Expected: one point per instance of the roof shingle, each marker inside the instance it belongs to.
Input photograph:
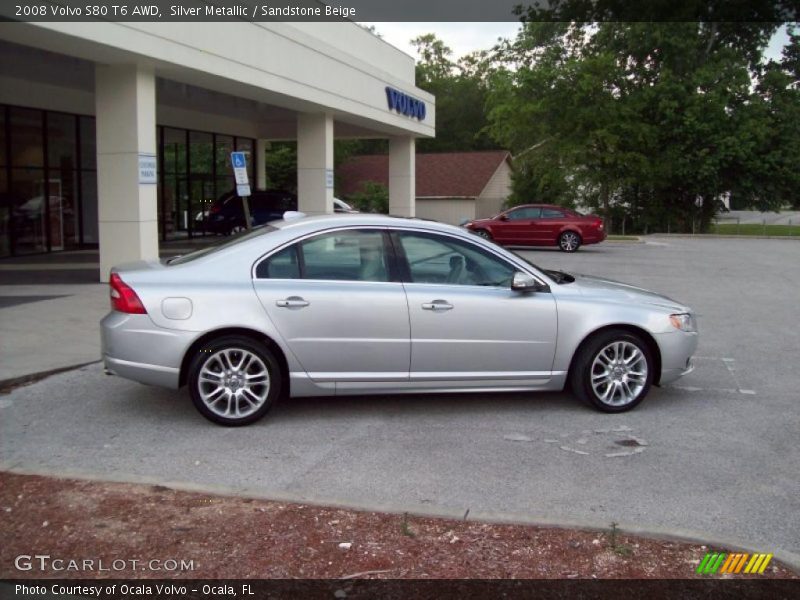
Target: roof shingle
(446, 174)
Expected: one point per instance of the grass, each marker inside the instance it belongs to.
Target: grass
(622, 238)
(755, 229)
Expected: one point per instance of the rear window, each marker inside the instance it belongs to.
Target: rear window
(221, 245)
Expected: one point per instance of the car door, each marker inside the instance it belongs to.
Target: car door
(518, 226)
(550, 225)
(335, 301)
(467, 324)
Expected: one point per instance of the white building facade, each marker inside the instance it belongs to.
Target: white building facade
(117, 133)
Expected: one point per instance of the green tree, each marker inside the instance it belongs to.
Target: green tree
(644, 119)
(373, 197)
(460, 90)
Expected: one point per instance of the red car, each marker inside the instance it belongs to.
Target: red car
(541, 225)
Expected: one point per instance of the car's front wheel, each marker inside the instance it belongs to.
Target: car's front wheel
(569, 241)
(483, 233)
(234, 380)
(613, 371)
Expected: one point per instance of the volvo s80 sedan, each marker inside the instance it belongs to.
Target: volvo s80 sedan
(366, 304)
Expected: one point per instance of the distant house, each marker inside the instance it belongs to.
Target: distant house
(452, 187)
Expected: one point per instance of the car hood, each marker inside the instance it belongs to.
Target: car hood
(623, 292)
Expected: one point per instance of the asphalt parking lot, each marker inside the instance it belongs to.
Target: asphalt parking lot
(715, 453)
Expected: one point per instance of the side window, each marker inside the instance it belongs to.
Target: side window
(355, 255)
(549, 213)
(524, 213)
(444, 260)
(282, 265)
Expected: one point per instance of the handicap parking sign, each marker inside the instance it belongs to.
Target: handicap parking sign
(238, 160)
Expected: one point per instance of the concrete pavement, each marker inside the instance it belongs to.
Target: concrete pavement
(50, 306)
(715, 453)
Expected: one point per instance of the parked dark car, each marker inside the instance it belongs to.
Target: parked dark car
(226, 215)
(541, 225)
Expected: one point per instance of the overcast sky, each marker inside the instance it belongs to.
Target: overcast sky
(463, 38)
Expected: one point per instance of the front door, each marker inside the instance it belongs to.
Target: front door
(466, 322)
(332, 298)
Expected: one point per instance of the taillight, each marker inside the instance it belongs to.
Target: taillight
(600, 223)
(215, 208)
(123, 298)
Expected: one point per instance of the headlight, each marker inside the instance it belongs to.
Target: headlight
(684, 322)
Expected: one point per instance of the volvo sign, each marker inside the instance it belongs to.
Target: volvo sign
(405, 104)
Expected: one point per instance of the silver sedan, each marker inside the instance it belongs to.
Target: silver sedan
(366, 304)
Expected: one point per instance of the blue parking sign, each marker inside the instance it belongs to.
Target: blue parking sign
(238, 160)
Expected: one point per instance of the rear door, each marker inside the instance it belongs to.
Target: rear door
(335, 300)
(550, 225)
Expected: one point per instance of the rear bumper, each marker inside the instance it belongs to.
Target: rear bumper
(677, 349)
(135, 348)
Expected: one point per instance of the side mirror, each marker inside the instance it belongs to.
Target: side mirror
(522, 282)
(503, 217)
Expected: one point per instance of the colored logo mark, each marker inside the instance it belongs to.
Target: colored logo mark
(721, 562)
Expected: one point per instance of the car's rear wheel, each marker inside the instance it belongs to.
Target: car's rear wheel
(613, 371)
(237, 229)
(569, 241)
(234, 380)
(483, 233)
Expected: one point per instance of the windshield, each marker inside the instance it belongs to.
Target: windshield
(224, 243)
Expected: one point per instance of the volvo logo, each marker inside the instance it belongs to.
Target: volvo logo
(405, 104)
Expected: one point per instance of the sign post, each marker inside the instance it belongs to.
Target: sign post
(239, 163)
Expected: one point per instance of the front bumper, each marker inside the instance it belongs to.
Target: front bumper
(677, 349)
(136, 348)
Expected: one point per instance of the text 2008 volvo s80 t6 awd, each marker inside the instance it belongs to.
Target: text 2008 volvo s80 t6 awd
(361, 304)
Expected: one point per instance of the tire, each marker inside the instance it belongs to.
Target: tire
(621, 389)
(569, 241)
(234, 402)
(483, 233)
(236, 229)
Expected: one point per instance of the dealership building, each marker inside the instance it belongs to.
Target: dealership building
(120, 134)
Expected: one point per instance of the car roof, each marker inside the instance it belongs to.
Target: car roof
(556, 206)
(314, 223)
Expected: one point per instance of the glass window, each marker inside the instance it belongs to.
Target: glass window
(88, 147)
(63, 229)
(223, 155)
(354, 255)
(444, 260)
(27, 210)
(89, 206)
(61, 147)
(3, 156)
(550, 213)
(174, 150)
(26, 137)
(5, 229)
(282, 265)
(201, 152)
(527, 212)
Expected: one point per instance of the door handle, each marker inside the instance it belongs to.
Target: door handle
(437, 305)
(292, 302)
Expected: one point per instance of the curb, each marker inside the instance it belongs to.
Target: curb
(722, 236)
(6, 385)
(790, 559)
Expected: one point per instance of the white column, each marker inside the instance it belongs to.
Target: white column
(315, 164)
(261, 162)
(402, 177)
(125, 103)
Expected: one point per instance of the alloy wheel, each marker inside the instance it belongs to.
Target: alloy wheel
(569, 241)
(619, 373)
(233, 383)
